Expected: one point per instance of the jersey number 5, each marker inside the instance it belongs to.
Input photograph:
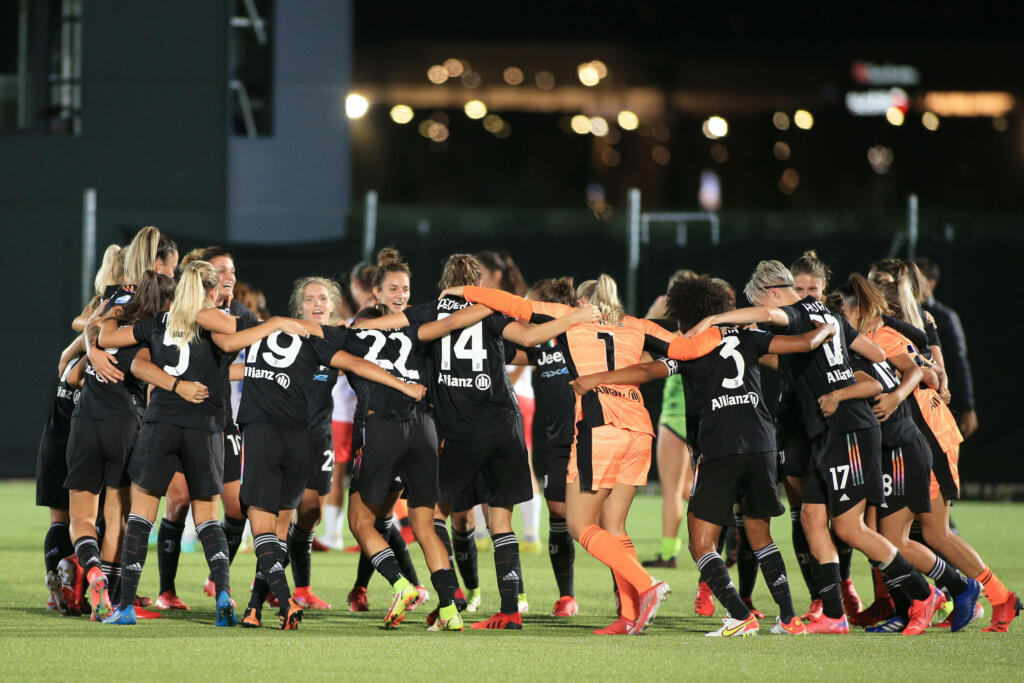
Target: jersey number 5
(179, 369)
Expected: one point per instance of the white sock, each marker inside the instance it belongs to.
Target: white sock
(481, 523)
(331, 513)
(531, 518)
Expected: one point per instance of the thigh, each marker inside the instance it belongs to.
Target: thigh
(84, 457)
(157, 457)
(117, 440)
(202, 460)
(759, 492)
(714, 489)
(906, 478)
(460, 465)
(635, 461)
(262, 474)
(850, 468)
(376, 463)
(507, 470)
(294, 466)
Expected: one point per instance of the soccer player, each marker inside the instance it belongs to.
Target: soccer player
(480, 423)
(612, 447)
(737, 447)
(105, 423)
(274, 415)
(906, 461)
(846, 465)
(180, 433)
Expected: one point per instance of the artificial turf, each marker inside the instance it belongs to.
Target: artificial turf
(37, 644)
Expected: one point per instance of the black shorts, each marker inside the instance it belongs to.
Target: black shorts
(692, 431)
(163, 449)
(276, 466)
(232, 453)
(98, 452)
(52, 470)
(557, 461)
(321, 464)
(501, 459)
(748, 478)
(794, 452)
(906, 478)
(846, 469)
(393, 452)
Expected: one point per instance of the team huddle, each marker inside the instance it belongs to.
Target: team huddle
(861, 437)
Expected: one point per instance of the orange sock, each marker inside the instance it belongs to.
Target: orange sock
(995, 591)
(628, 597)
(608, 550)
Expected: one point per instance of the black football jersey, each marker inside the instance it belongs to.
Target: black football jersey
(552, 391)
(64, 403)
(245, 320)
(278, 382)
(726, 386)
(100, 400)
(321, 401)
(899, 429)
(201, 361)
(398, 351)
(470, 390)
(823, 370)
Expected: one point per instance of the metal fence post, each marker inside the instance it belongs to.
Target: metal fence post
(88, 243)
(370, 225)
(912, 226)
(633, 257)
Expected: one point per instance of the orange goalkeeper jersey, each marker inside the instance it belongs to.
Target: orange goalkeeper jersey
(597, 347)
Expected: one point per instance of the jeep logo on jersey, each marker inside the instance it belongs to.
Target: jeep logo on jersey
(282, 379)
(548, 358)
(482, 382)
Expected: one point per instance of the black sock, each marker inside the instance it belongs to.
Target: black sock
(168, 550)
(845, 553)
(441, 529)
(270, 560)
(828, 581)
(562, 550)
(286, 558)
(746, 563)
(947, 576)
(112, 570)
(133, 556)
(88, 550)
(364, 571)
(466, 557)
(716, 576)
(233, 529)
(300, 549)
(506, 567)
(804, 558)
(445, 585)
(56, 545)
(774, 569)
(900, 603)
(260, 591)
(215, 547)
(900, 574)
(397, 543)
(385, 563)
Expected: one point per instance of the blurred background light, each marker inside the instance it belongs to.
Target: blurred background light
(628, 120)
(719, 152)
(356, 105)
(588, 75)
(930, 120)
(454, 67)
(781, 151)
(513, 75)
(401, 113)
(580, 124)
(544, 80)
(894, 116)
(437, 74)
(880, 158)
(780, 120)
(718, 126)
(600, 67)
(471, 79)
(598, 126)
(661, 155)
(803, 119)
(475, 109)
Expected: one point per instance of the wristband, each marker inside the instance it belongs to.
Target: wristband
(174, 387)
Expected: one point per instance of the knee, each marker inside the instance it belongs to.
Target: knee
(176, 509)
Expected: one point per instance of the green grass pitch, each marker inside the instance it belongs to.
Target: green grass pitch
(36, 644)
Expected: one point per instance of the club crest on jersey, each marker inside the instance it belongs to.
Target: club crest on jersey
(750, 398)
(482, 382)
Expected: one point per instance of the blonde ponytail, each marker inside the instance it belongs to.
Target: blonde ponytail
(191, 296)
(908, 300)
(109, 272)
(141, 254)
(603, 293)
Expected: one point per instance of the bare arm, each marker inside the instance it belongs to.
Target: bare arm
(76, 377)
(73, 350)
(887, 403)
(865, 387)
(867, 348)
(102, 362)
(229, 343)
(769, 360)
(528, 336)
(371, 371)
(216, 320)
(80, 321)
(801, 343)
(113, 337)
(236, 372)
(743, 316)
(144, 369)
(456, 321)
(634, 374)
(393, 321)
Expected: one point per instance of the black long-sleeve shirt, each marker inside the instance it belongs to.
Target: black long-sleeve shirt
(954, 352)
